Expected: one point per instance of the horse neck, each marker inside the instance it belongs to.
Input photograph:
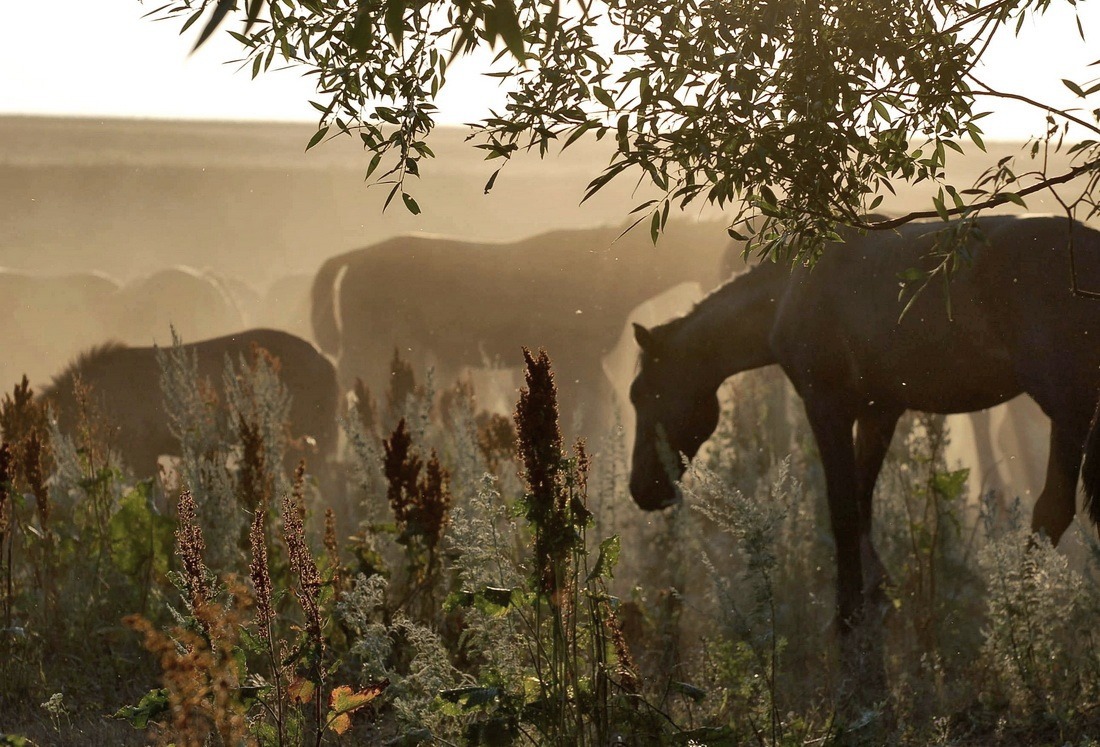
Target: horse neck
(728, 331)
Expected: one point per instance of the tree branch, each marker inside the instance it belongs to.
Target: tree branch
(988, 91)
(994, 201)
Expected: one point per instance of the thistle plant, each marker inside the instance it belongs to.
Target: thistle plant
(421, 505)
(403, 391)
(548, 508)
(575, 646)
(366, 408)
(23, 423)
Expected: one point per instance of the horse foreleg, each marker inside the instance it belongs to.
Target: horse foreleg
(832, 428)
(1057, 503)
(861, 651)
(873, 435)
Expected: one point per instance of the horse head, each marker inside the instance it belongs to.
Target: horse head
(675, 414)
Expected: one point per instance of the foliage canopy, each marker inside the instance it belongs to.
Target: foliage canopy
(801, 111)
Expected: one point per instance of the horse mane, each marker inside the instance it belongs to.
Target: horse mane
(85, 360)
(716, 296)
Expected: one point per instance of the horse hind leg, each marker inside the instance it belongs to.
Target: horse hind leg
(1057, 504)
(873, 436)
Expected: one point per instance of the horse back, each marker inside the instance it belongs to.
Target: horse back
(845, 326)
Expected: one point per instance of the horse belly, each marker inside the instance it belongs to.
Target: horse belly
(942, 379)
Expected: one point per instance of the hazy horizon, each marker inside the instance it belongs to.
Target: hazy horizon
(115, 63)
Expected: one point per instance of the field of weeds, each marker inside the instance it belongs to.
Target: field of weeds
(467, 578)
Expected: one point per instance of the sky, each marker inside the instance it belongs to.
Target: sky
(100, 58)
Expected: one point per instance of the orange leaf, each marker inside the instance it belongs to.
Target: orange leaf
(340, 724)
(301, 690)
(343, 701)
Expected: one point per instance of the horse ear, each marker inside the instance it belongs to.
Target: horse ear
(644, 337)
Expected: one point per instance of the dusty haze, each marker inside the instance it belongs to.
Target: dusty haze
(221, 226)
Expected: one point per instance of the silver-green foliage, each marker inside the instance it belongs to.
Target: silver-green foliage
(1042, 643)
(411, 656)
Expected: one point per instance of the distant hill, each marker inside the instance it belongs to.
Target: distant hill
(244, 199)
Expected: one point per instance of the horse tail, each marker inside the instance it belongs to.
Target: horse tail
(323, 304)
(1090, 473)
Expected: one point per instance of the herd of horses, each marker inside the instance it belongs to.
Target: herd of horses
(1006, 323)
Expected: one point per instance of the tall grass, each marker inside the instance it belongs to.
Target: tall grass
(465, 578)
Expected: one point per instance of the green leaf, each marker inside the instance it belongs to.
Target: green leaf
(601, 181)
(317, 137)
(362, 30)
(976, 136)
(603, 97)
(490, 600)
(1073, 87)
(768, 196)
(950, 485)
(395, 21)
(374, 162)
(607, 559)
(254, 7)
(507, 24)
(410, 204)
(151, 706)
(472, 697)
(941, 208)
(577, 134)
(14, 740)
(220, 11)
(492, 180)
(141, 539)
(551, 23)
(691, 691)
(386, 204)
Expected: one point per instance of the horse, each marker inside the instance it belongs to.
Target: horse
(1009, 324)
(461, 305)
(49, 318)
(125, 382)
(197, 304)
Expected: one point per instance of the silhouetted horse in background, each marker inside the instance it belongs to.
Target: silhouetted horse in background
(125, 382)
(457, 304)
(196, 303)
(837, 330)
(48, 319)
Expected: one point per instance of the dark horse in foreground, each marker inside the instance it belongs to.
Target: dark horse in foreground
(1013, 325)
(125, 382)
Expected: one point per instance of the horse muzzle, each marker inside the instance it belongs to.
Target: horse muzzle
(654, 494)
